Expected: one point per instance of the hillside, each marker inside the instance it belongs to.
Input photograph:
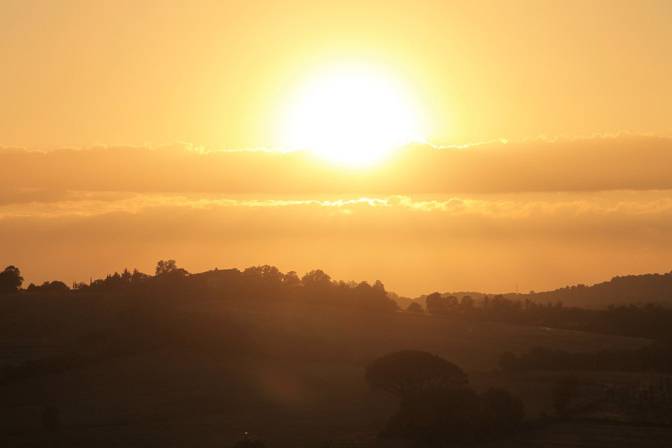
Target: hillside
(201, 373)
(620, 290)
(179, 359)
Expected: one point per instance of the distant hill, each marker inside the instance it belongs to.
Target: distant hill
(620, 290)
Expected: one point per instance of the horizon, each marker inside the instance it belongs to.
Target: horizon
(29, 283)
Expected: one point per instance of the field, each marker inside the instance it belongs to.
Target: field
(591, 434)
(295, 377)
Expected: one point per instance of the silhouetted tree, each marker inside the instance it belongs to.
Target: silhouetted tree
(371, 298)
(316, 279)
(467, 303)
(405, 372)
(438, 416)
(437, 407)
(291, 279)
(54, 287)
(137, 276)
(10, 279)
(439, 304)
(414, 307)
(266, 273)
(165, 266)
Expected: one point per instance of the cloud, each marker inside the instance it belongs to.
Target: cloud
(413, 244)
(537, 214)
(623, 162)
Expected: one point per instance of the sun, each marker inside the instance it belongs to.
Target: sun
(351, 115)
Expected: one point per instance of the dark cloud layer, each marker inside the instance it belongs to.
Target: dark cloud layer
(593, 164)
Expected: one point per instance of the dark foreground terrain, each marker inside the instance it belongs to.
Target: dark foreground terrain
(303, 385)
(193, 367)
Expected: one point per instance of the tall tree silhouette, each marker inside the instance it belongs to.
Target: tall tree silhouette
(165, 267)
(10, 279)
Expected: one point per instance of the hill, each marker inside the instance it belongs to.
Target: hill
(178, 359)
(200, 374)
(621, 290)
(195, 360)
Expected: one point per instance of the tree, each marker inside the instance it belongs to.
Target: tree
(266, 273)
(438, 416)
(437, 407)
(137, 276)
(467, 303)
(438, 304)
(316, 279)
(379, 286)
(169, 268)
(370, 298)
(452, 302)
(165, 266)
(291, 279)
(406, 372)
(55, 287)
(414, 307)
(10, 280)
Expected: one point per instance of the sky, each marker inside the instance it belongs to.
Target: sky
(216, 73)
(544, 159)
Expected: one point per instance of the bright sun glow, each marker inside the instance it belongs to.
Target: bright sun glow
(351, 116)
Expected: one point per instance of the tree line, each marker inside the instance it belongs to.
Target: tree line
(170, 282)
(268, 283)
(636, 320)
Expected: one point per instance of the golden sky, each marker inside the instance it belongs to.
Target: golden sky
(217, 73)
(545, 126)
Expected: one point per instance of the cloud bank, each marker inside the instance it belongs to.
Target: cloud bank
(495, 217)
(591, 164)
(413, 244)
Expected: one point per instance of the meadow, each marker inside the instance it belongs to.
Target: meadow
(201, 373)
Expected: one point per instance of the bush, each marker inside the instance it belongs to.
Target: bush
(437, 407)
(437, 415)
(407, 372)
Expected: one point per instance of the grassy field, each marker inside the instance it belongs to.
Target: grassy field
(590, 434)
(296, 381)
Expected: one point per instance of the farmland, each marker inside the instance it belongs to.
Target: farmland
(294, 376)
